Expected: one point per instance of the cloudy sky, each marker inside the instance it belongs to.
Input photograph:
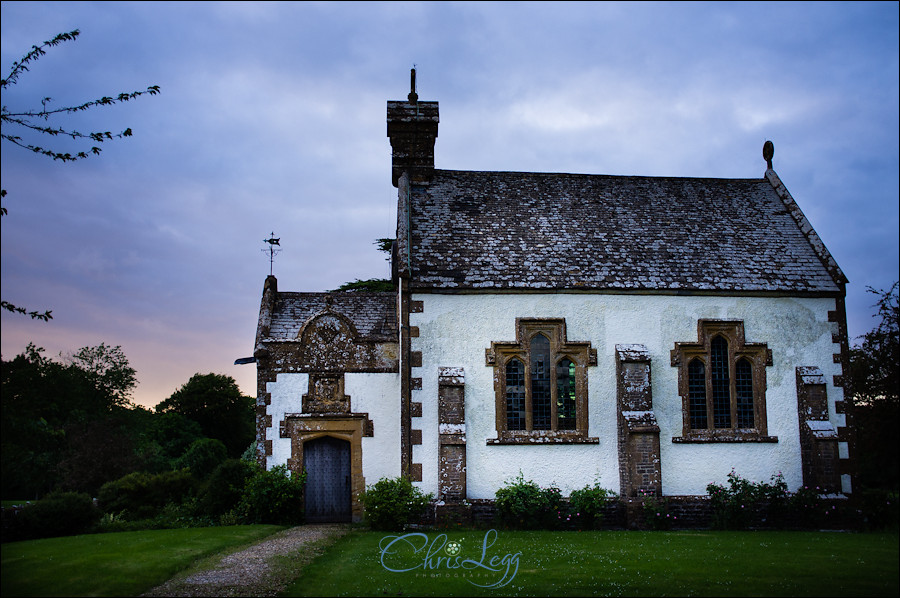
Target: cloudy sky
(272, 119)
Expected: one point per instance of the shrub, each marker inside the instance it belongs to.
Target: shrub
(804, 508)
(586, 505)
(523, 504)
(203, 456)
(59, 514)
(178, 516)
(224, 488)
(169, 516)
(249, 455)
(744, 503)
(656, 513)
(232, 517)
(274, 496)
(732, 506)
(391, 504)
(141, 495)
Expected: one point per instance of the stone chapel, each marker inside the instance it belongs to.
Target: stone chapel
(652, 333)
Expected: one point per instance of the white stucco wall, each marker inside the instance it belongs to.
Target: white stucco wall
(375, 394)
(287, 397)
(455, 330)
(379, 396)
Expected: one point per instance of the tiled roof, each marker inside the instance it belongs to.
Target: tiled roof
(511, 230)
(374, 315)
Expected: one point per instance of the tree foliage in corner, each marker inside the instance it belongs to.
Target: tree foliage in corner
(873, 384)
(36, 122)
(376, 285)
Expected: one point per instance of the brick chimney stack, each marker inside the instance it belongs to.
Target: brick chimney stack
(412, 127)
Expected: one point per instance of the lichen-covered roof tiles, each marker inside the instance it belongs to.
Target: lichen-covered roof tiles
(374, 315)
(510, 230)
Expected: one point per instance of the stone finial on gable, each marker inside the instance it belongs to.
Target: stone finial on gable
(768, 152)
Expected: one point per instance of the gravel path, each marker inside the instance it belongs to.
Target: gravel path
(251, 572)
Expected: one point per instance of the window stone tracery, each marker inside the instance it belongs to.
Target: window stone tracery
(540, 383)
(722, 383)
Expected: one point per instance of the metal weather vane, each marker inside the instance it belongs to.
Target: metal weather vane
(272, 243)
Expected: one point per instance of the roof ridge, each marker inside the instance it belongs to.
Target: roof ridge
(585, 174)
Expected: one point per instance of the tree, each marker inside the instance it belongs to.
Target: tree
(215, 402)
(875, 363)
(166, 437)
(384, 245)
(98, 450)
(203, 456)
(60, 417)
(872, 385)
(108, 369)
(30, 120)
(35, 123)
(373, 285)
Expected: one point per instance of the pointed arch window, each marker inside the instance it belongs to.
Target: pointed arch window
(722, 382)
(541, 385)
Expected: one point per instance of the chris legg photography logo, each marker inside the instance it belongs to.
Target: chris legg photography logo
(438, 557)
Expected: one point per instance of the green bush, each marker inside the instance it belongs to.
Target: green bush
(732, 506)
(391, 504)
(224, 488)
(522, 504)
(274, 496)
(586, 505)
(141, 495)
(59, 514)
(249, 455)
(203, 456)
(804, 508)
(656, 513)
(745, 503)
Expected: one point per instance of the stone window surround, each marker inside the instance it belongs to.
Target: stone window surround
(759, 356)
(580, 353)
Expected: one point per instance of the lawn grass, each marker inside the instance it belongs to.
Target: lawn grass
(115, 564)
(620, 563)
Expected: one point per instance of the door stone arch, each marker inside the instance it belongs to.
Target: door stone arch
(304, 428)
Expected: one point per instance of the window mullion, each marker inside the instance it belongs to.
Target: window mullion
(503, 417)
(732, 385)
(757, 415)
(554, 394)
(529, 417)
(710, 411)
(580, 394)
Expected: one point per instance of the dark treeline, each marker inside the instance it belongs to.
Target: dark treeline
(68, 423)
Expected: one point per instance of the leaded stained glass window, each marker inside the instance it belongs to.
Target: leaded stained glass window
(541, 384)
(722, 384)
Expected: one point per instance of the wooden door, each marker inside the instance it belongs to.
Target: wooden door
(327, 464)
